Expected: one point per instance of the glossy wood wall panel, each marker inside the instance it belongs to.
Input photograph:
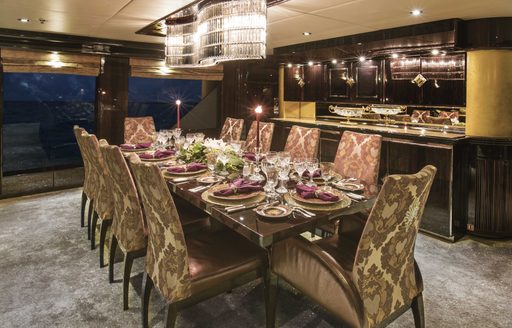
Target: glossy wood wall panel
(112, 99)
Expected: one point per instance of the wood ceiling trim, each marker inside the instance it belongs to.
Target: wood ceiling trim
(141, 67)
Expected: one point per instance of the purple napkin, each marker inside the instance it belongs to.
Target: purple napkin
(141, 145)
(157, 154)
(239, 186)
(192, 167)
(308, 192)
(316, 174)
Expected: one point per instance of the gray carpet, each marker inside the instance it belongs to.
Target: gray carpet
(50, 278)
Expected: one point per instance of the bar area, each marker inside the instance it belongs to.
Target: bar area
(267, 163)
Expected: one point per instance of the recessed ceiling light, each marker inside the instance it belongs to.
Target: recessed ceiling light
(435, 52)
(394, 56)
(362, 59)
(289, 65)
(416, 12)
(23, 20)
(334, 61)
(359, 44)
(306, 33)
(310, 63)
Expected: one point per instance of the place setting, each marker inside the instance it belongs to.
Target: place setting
(135, 147)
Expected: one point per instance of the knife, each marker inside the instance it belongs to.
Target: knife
(248, 206)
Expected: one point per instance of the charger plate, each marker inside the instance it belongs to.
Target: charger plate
(222, 202)
(344, 202)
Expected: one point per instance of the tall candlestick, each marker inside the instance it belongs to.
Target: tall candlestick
(258, 111)
(178, 103)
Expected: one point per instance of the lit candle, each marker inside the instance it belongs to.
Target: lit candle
(258, 111)
(178, 103)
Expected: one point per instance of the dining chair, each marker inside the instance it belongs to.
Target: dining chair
(358, 156)
(104, 201)
(88, 190)
(266, 133)
(187, 269)
(128, 230)
(438, 120)
(232, 129)
(374, 282)
(420, 115)
(400, 118)
(139, 129)
(453, 115)
(303, 142)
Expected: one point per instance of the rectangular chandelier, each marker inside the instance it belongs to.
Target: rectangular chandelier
(217, 31)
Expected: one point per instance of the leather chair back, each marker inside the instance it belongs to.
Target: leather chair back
(266, 133)
(166, 258)
(128, 224)
(303, 142)
(88, 180)
(384, 267)
(358, 156)
(104, 201)
(139, 129)
(232, 129)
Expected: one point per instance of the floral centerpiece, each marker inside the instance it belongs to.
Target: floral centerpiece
(197, 152)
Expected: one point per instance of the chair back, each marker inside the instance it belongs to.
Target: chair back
(128, 224)
(266, 133)
(88, 179)
(454, 115)
(303, 142)
(400, 118)
(420, 115)
(384, 270)
(166, 258)
(438, 120)
(358, 156)
(104, 201)
(139, 129)
(232, 129)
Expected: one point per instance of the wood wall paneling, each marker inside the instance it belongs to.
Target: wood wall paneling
(1, 118)
(112, 99)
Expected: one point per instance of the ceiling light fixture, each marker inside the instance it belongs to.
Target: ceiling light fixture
(23, 20)
(306, 33)
(334, 61)
(310, 63)
(416, 12)
(435, 52)
(362, 58)
(289, 65)
(394, 56)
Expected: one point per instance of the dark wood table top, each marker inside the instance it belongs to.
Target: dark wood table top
(263, 232)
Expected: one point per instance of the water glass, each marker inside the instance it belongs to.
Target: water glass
(211, 160)
(190, 137)
(199, 137)
(284, 170)
(224, 159)
(272, 176)
(237, 146)
(311, 167)
(327, 171)
(284, 157)
(300, 167)
(176, 133)
(271, 157)
(246, 171)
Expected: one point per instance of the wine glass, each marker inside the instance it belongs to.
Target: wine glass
(326, 171)
(272, 175)
(300, 167)
(271, 157)
(211, 160)
(246, 171)
(311, 167)
(284, 157)
(199, 137)
(256, 176)
(176, 133)
(236, 145)
(284, 170)
(224, 159)
(190, 138)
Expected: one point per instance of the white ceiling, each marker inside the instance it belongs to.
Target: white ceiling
(120, 19)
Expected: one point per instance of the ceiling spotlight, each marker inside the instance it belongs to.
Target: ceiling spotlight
(289, 65)
(23, 20)
(306, 33)
(394, 56)
(435, 52)
(310, 63)
(416, 12)
(362, 58)
(334, 61)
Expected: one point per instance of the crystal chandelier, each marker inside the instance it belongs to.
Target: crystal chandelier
(219, 31)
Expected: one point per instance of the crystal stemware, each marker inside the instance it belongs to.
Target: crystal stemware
(311, 167)
(271, 157)
(256, 176)
(190, 138)
(272, 176)
(300, 167)
(211, 160)
(224, 159)
(284, 170)
(326, 170)
(199, 137)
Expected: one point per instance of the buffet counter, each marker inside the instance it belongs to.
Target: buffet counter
(406, 150)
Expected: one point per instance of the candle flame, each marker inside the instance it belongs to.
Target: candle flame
(178, 102)
(258, 110)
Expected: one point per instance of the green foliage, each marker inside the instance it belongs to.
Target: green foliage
(196, 152)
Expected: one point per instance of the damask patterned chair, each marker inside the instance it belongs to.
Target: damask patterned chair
(88, 188)
(266, 133)
(420, 115)
(438, 120)
(139, 129)
(453, 115)
(188, 269)
(128, 229)
(104, 202)
(358, 156)
(303, 142)
(232, 129)
(371, 284)
(400, 118)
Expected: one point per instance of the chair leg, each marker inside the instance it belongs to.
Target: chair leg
(418, 311)
(94, 222)
(111, 258)
(271, 288)
(82, 210)
(103, 233)
(170, 316)
(128, 262)
(147, 285)
(89, 216)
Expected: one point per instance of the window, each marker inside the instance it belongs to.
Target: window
(157, 98)
(40, 110)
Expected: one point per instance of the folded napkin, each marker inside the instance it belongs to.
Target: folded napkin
(192, 167)
(239, 186)
(316, 174)
(308, 192)
(141, 145)
(250, 156)
(157, 154)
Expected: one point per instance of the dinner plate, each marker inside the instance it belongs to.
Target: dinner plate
(209, 179)
(348, 186)
(135, 150)
(316, 201)
(157, 159)
(274, 211)
(182, 174)
(232, 197)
